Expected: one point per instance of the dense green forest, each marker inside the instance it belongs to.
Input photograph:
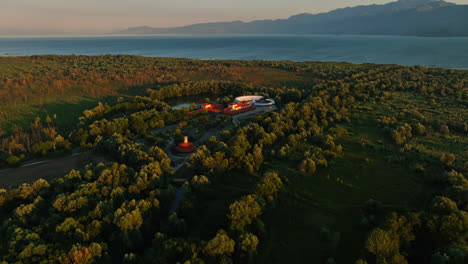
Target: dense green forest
(356, 164)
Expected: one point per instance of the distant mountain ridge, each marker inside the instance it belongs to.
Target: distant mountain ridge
(405, 17)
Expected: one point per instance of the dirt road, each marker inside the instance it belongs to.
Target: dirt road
(46, 169)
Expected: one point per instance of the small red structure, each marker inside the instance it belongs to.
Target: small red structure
(185, 147)
(213, 108)
(237, 108)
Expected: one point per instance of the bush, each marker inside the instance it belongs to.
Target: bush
(401, 134)
(448, 159)
(444, 130)
(444, 205)
(308, 166)
(59, 143)
(13, 160)
(42, 148)
(419, 129)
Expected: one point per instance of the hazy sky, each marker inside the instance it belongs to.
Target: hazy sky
(108, 15)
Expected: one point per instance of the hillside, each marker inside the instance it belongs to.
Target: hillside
(435, 18)
(354, 164)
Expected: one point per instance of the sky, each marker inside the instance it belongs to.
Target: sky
(94, 16)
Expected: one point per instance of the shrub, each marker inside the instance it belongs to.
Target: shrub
(13, 160)
(444, 130)
(444, 205)
(401, 134)
(419, 129)
(448, 159)
(43, 147)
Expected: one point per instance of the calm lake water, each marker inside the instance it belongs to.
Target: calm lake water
(180, 106)
(433, 52)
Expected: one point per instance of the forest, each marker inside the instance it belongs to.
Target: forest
(356, 164)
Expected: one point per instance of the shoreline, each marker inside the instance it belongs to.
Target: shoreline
(8, 55)
(214, 35)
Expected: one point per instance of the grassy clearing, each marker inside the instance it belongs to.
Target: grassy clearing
(11, 65)
(66, 108)
(212, 215)
(332, 198)
(67, 111)
(433, 114)
(438, 110)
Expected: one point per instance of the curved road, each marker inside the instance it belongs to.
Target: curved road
(46, 169)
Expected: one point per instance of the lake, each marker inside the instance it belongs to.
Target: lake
(432, 52)
(180, 106)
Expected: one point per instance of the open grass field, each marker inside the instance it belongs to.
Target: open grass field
(67, 110)
(334, 196)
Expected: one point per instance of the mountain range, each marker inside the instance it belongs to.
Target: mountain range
(431, 18)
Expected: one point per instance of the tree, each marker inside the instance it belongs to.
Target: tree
(444, 205)
(448, 159)
(31, 251)
(248, 243)
(220, 245)
(240, 145)
(419, 129)
(138, 124)
(401, 134)
(83, 255)
(257, 156)
(381, 244)
(160, 156)
(456, 179)
(200, 180)
(243, 212)
(128, 221)
(152, 171)
(269, 186)
(308, 166)
(176, 225)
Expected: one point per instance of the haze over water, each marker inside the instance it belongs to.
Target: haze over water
(431, 52)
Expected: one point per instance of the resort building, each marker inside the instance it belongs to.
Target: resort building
(240, 105)
(257, 100)
(213, 108)
(237, 108)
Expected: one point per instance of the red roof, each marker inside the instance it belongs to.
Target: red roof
(243, 108)
(206, 105)
(217, 106)
(188, 147)
(214, 108)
